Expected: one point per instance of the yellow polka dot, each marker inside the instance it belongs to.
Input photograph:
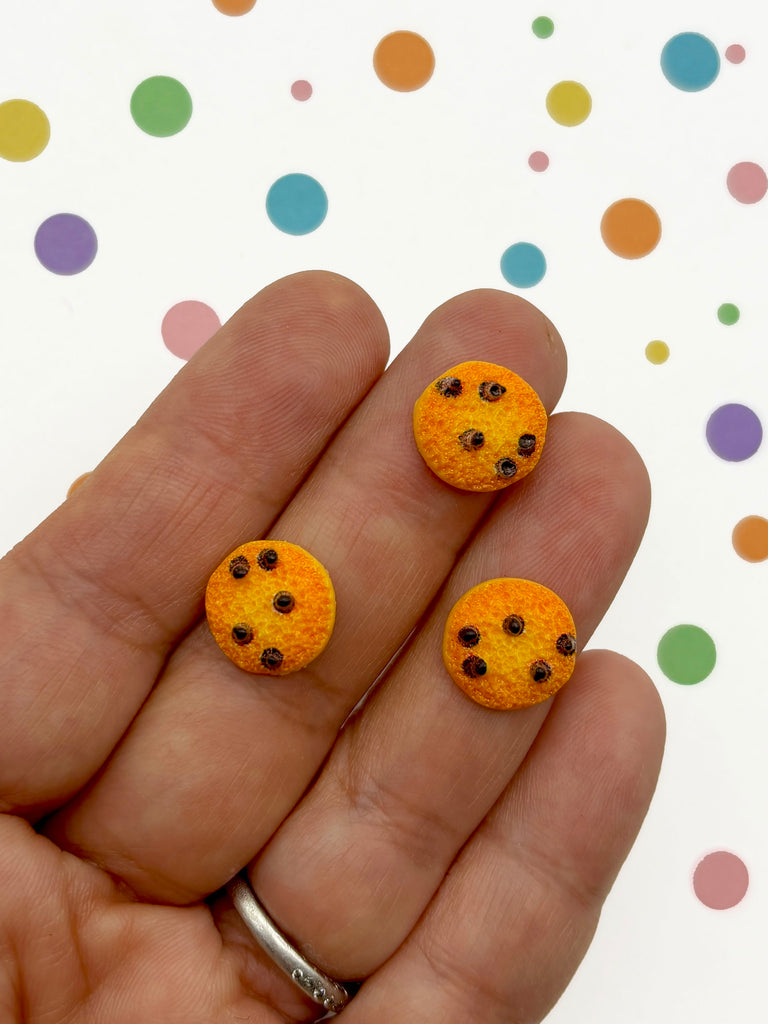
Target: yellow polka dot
(509, 643)
(270, 607)
(569, 103)
(479, 427)
(24, 130)
(657, 352)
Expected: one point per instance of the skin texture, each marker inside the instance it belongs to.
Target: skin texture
(454, 857)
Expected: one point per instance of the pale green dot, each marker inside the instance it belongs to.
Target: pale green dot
(543, 27)
(686, 654)
(728, 314)
(161, 106)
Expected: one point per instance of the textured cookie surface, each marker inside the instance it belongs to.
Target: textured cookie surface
(271, 607)
(509, 643)
(479, 427)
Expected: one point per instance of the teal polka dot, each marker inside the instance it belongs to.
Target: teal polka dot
(523, 265)
(690, 62)
(297, 204)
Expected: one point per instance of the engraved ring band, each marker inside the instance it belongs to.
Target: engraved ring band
(326, 992)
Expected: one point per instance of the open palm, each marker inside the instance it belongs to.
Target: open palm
(452, 857)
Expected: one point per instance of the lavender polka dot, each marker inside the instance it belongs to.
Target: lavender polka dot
(65, 244)
(734, 432)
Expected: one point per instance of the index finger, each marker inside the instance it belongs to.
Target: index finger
(92, 601)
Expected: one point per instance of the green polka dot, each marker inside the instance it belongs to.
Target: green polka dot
(161, 106)
(543, 27)
(728, 314)
(686, 654)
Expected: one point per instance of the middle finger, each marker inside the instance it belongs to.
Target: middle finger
(217, 758)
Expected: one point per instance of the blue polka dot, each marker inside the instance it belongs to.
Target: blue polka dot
(690, 62)
(297, 204)
(523, 265)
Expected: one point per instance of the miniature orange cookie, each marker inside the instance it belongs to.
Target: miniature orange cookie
(509, 643)
(479, 427)
(271, 607)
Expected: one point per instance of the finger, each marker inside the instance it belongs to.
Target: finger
(95, 598)
(352, 870)
(217, 758)
(517, 912)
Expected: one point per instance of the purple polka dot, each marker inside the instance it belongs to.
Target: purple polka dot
(734, 432)
(65, 244)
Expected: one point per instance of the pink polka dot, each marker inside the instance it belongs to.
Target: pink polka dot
(187, 326)
(721, 880)
(735, 53)
(301, 90)
(747, 182)
(538, 161)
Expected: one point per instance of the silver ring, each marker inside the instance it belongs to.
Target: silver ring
(329, 994)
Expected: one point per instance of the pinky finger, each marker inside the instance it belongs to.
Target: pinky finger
(516, 913)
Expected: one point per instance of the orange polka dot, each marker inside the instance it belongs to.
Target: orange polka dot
(76, 483)
(234, 7)
(631, 228)
(509, 644)
(750, 539)
(404, 61)
(270, 607)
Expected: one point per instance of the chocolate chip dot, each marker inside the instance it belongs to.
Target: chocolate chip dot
(242, 633)
(505, 467)
(271, 658)
(267, 559)
(449, 387)
(513, 625)
(469, 636)
(491, 391)
(471, 440)
(239, 567)
(566, 644)
(283, 601)
(541, 671)
(474, 666)
(526, 445)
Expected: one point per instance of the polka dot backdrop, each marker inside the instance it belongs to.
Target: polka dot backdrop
(160, 163)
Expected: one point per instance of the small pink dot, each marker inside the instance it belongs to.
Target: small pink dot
(747, 182)
(735, 53)
(187, 326)
(538, 161)
(721, 880)
(301, 90)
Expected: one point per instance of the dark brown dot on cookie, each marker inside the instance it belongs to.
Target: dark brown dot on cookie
(242, 633)
(513, 625)
(283, 601)
(450, 387)
(469, 636)
(491, 391)
(239, 567)
(505, 467)
(474, 666)
(566, 644)
(267, 559)
(271, 658)
(470, 440)
(540, 671)
(526, 444)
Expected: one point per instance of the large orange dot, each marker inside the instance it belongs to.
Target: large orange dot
(404, 61)
(234, 7)
(631, 228)
(750, 539)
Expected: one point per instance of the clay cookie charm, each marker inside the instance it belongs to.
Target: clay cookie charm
(271, 607)
(509, 643)
(479, 427)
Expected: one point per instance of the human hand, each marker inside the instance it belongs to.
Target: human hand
(454, 857)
